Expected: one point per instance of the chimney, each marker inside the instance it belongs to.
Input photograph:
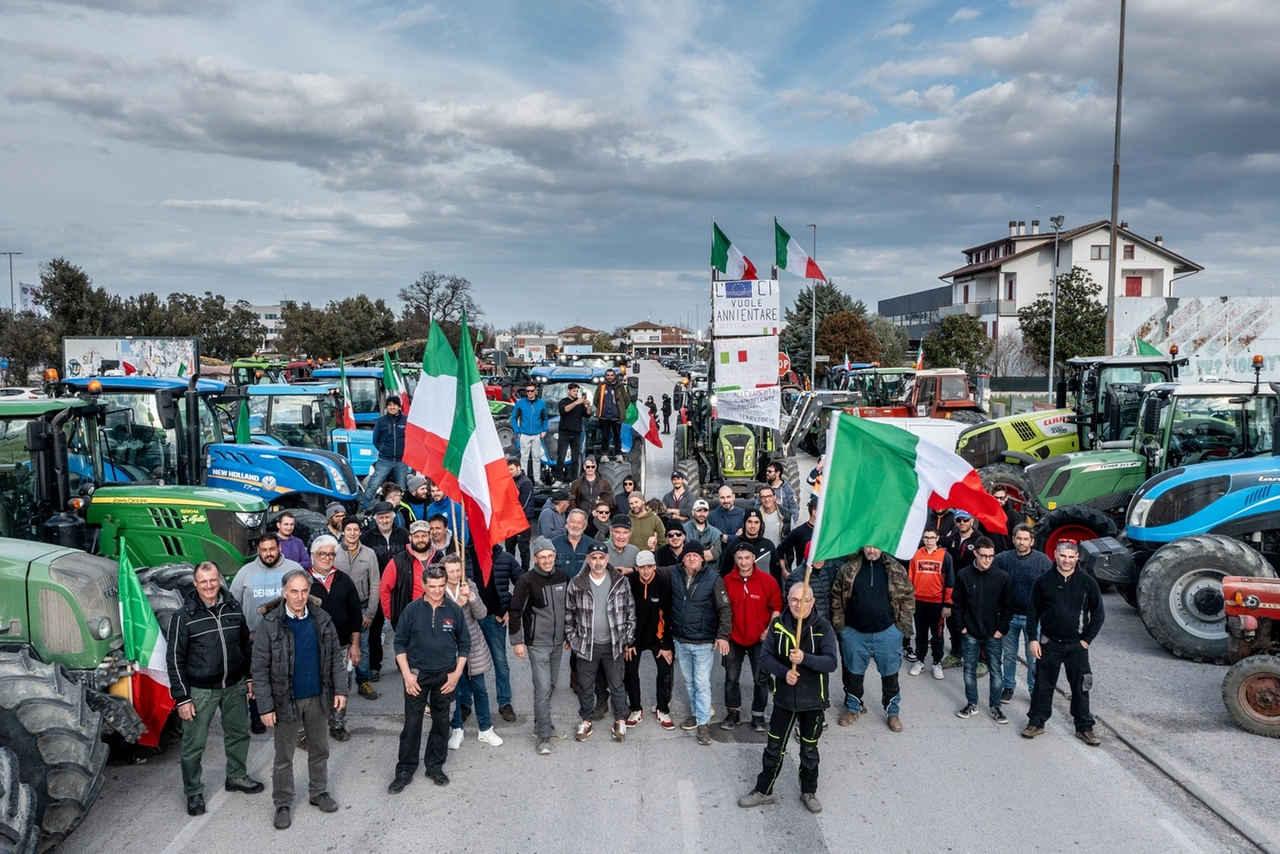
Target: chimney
(1035, 226)
(1022, 227)
(1159, 240)
(1124, 224)
(1013, 228)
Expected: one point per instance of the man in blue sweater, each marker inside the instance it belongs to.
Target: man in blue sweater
(529, 420)
(1024, 565)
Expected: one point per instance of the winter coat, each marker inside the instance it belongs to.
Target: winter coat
(504, 574)
(983, 602)
(341, 601)
(209, 646)
(653, 610)
(364, 572)
(818, 641)
(584, 494)
(273, 660)
(645, 526)
(579, 614)
(479, 659)
(902, 596)
(537, 608)
(621, 396)
(820, 581)
(388, 436)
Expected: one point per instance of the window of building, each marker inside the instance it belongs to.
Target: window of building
(1010, 287)
(1099, 253)
(1128, 252)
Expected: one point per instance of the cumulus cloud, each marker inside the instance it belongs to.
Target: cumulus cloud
(935, 99)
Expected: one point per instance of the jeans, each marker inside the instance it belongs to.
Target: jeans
(233, 703)
(313, 718)
(431, 694)
(695, 664)
(381, 469)
(1018, 626)
(565, 442)
(362, 669)
(733, 678)
(780, 726)
(1054, 656)
(531, 449)
(496, 635)
(994, 648)
(518, 547)
(544, 661)
(601, 660)
(857, 649)
(474, 694)
(632, 680)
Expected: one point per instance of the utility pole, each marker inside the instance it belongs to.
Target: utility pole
(13, 305)
(1053, 302)
(1115, 200)
(813, 317)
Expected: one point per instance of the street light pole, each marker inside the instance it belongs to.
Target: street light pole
(13, 305)
(1115, 201)
(1053, 302)
(813, 317)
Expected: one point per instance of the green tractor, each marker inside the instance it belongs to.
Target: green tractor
(64, 677)
(711, 451)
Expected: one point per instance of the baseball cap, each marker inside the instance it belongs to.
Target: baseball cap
(333, 509)
(813, 501)
(701, 504)
(646, 558)
(620, 520)
(383, 507)
(677, 474)
(597, 548)
(963, 514)
(419, 525)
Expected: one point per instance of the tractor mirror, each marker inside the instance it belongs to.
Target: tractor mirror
(308, 418)
(168, 410)
(1151, 416)
(37, 436)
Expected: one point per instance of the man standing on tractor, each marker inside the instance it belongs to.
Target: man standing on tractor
(530, 422)
(612, 399)
(573, 410)
(388, 440)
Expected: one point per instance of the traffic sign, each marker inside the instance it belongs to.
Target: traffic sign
(4, 363)
(784, 363)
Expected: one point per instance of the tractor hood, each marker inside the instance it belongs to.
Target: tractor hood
(273, 474)
(1085, 477)
(199, 498)
(1232, 497)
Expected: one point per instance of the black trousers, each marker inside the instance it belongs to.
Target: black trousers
(733, 678)
(518, 547)
(632, 680)
(411, 733)
(375, 640)
(953, 635)
(610, 436)
(928, 620)
(780, 725)
(666, 422)
(565, 441)
(1054, 656)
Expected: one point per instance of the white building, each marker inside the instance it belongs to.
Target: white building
(272, 322)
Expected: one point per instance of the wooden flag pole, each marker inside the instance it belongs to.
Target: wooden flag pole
(808, 570)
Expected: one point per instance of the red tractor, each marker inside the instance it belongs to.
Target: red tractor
(1251, 688)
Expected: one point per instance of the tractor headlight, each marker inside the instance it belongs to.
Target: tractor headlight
(104, 629)
(1138, 512)
(249, 520)
(339, 482)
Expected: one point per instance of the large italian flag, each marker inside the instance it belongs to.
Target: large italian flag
(792, 258)
(475, 458)
(348, 417)
(878, 484)
(426, 435)
(728, 259)
(145, 644)
(641, 421)
(393, 382)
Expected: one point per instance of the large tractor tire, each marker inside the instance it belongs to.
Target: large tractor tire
(791, 474)
(1251, 692)
(19, 833)
(1012, 478)
(692, 477)
(615, 472)
(507, 438)
(636, 458)
(680, 442)
(1077, 522)
(166, 586)
(1180, 593)
(46, 720)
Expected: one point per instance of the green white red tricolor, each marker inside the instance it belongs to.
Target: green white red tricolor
(878, 484)
(728, 259)
(348, 414)
(792, 258)
(641, 421)
(426, 435)
(393, 382)
(145, 644)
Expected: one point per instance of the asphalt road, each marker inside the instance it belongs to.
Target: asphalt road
(944, 784)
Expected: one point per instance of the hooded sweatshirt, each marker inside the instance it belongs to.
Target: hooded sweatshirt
(256, 584)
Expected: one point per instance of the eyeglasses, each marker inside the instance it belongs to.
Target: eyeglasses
(985, 556)
(326, 554)
(531, 391)
(671, 534)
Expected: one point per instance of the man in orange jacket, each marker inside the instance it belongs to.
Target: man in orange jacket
(932, 576)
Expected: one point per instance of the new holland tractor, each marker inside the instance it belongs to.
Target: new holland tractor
(553, 385)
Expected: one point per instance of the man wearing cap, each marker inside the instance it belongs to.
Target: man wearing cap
(620, 551)
(536, 627)
(701, 619)
(590, 488)
(755, 600)
(552, 519)
(360, 564)
(529, 420)
(766, 552)
(647, 528)
(413, 506)
(335, 516)
(387, 539)
(651, 591)
(699, 530)
(599, 625)
(679, 501)
(669, 555)
(728, 517)
(518, 545)
(388, 440)
(959, 543)
(401, 581)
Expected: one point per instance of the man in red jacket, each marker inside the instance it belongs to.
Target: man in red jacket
(756, 600)
(932, 576)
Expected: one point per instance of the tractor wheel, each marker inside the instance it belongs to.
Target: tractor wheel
(507, 439)
(46, 720)
(680, 442)
(818, 442)
(309, 523)
(166, 586)
(1251, 692)
(636, 460)
(615, 472)
(1129, 593)
(1012, 478)
(1077, 522)
(1180, 593)
(692, 479)
(19, 833)
(791, 474)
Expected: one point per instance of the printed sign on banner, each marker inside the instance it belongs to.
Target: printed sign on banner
(746, 308)
(755, 406)
(746, 363)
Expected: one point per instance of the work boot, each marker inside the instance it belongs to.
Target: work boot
(811, 802)
(704, 734)
(248, 785)
(508, 713)
(368, 691)
(1032, 731)
(195, 805)
(339, 734)
(1088, 737)
(731, 719)
(283, 819)
(847, 718)
(895, 723)
(755, 799)
(324, 802)
(758, 724)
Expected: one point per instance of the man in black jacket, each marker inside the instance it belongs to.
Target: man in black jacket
(387, 539)
(341, 601)
(573, 410)
(519, 544)
(1066, 615)
(983, 604)
(208, 660)
(388, 439)
(799, 671)
(496, 596)
(651, 590)
(536, 627)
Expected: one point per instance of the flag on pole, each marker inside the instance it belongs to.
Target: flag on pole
(243, 436)
(145, 644)
(905, 476)
(426, 436)
(792, 258)
(393, 382)
(476, 459)
(1145, 349)
(728, 259)
(848, 366)
(920, 356)
(348, 414)
(642, 423)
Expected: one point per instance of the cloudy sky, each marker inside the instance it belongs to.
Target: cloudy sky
(568, 156)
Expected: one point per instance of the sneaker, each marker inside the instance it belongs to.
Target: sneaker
(704, 734)
(257, 727)
(455, 738)
(1032, 731)
(508, 713)
(601, 710)
(937, 671)
(368, 691)
(664, 719)
(811, 802)
(981, 669)
(910, 655)
(1088, 737)
(758, 724)
(619, 731)
(544, 747)
(635, 717)
(847, 718)
(1006, 695)
(248, 785)
(755, 799)
(689, 723)
(584, 731)
(968, 711)
(195, 805)
(895, 723)
(375, 676)
(339, 734)
(949, 661)
(489, 737)
(283, 818)
(731, 720)
(997, 715)
(916, 669)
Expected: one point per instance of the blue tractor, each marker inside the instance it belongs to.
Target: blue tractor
(368, 395)
(305, 415)
(553, 385)
(168, 430)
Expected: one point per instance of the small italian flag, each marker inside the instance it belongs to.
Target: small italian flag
(641, 421)
(348, 414)
(393, 382)
(920, 356)
(879, 482)
(145, 644)
(728, 259)
(793, 259)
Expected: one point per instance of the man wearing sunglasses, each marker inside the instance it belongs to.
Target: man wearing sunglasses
(529, 420)
(591, 488)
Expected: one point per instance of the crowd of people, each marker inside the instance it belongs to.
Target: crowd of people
(611, 579)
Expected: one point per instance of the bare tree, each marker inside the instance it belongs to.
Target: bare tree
(528, 327)
(1008, 356)
(440, 297)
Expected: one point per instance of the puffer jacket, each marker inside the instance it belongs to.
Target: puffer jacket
(479, 660)
(273, 660)
(388, 436)
(209, 646)
(579, 613)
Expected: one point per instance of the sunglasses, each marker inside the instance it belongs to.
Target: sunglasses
(589, 466)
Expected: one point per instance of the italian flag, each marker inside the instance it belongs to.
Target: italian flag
(920, 356)
(145, 644)
(795, 260)
(879, 482)
(426, 436)
(641, 421)
(728, 259)
(475, 458)
(393, 382)
(348, 415)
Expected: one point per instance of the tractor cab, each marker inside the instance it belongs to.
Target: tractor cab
(368, 396)
(248, 372)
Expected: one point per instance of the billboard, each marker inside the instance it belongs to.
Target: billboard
(746, 308)
(1220, 335)
(148, 357)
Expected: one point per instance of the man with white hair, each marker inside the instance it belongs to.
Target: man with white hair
(340, 599)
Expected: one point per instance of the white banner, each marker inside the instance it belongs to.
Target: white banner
(746, 363)
(756, 406)
(27, 297)
(746, 308)
(148, 357)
